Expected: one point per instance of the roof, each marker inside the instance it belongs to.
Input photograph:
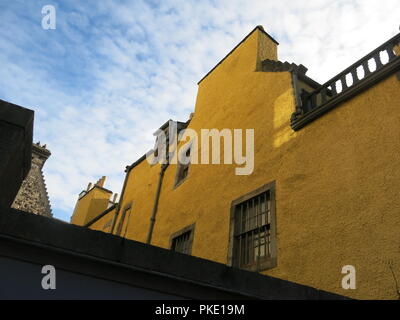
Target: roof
(260, 28)
(143, 157)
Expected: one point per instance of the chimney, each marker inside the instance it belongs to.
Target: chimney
(115, 198)
(101, 182)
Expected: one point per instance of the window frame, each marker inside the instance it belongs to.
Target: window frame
(269, 262)
(120, 225)
(179, 233)
(180, 167)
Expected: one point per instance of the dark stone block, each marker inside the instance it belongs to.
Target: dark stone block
(16, 130)
(97, 255)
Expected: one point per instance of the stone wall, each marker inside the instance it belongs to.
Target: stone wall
(33, 196)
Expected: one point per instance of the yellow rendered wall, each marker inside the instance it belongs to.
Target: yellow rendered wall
(104, 223)
(337, 196)
(140, 191)
(90, 205)
(337, 186)
(337, 180)
(233, 96)
(142, 182)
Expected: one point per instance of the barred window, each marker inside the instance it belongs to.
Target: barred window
(182, 240)
(254, 245)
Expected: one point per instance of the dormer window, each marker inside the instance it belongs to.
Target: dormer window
(183, 167)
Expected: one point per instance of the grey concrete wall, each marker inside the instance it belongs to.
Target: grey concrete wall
(16, 129)
(23, 280)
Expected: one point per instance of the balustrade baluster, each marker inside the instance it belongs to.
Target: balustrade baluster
(377, 58)
(327, 92)
(344, 82)
(334, 90)
(355, 76)
(366, 68)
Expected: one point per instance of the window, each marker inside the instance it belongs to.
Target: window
(183, 168)
(182, 240)
(126, 212)
(253, 240)
(162, 147)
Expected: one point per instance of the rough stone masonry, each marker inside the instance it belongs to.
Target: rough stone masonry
(32, 196)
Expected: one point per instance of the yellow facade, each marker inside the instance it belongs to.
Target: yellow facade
(105, 223)
(337, 179)
(91, 202)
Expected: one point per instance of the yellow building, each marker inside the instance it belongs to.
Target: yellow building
(323, 192)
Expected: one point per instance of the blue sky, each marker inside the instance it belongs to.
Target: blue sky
(114, 71)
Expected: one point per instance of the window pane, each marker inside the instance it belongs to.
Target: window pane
(182, 243)
(252, 224)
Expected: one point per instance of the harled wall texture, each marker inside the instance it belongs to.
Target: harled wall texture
(337, 180)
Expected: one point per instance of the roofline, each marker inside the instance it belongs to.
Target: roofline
(138, 161)
(95, 186)
(311, 82)
(101, 215)
(40, 150)
(260, 28)
(165, 125)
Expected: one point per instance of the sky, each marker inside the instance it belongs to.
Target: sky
(112, 72)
